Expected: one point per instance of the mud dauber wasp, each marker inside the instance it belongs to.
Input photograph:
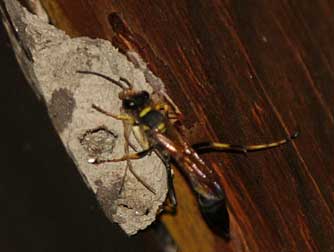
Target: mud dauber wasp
(153, 124)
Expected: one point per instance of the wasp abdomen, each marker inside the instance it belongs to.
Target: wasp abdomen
(215, 214)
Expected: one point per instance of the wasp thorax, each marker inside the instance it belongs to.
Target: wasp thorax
(135, 100)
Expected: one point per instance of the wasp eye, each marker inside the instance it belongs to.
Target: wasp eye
(145, 95)
(129, 104)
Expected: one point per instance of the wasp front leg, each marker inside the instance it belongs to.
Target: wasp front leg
(122, 117)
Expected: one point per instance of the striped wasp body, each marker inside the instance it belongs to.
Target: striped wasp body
(153, 124)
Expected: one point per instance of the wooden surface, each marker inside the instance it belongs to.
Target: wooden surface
(241, 72)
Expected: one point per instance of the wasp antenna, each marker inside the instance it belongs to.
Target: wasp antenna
(117, 83)
(126, 82)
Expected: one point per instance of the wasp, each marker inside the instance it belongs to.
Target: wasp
(153, 123)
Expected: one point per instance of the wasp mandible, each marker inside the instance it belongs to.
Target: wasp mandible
(152, 123)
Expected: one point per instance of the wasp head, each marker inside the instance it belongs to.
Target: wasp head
(134, 100)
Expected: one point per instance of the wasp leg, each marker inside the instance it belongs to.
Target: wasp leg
(132, 146)
(241, 148)
(171, 114)
(130, 86)
(171, 203)
(219, 146)
(147, 186)
(117, 83)
(172, 104)
(122, 117)
(132, 156)
(127, 132)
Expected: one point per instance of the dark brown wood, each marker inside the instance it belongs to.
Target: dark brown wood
(241, 72)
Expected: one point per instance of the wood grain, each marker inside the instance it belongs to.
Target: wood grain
(241, 72)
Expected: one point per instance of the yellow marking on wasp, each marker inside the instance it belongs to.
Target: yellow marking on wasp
(123, 117)
(247, 148)
(146, 127)
(264, 146)
(221, 145)
(162, 127)
(163, 106)
(145, 111)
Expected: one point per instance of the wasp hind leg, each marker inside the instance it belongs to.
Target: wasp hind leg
(241, 148)
(171, 202)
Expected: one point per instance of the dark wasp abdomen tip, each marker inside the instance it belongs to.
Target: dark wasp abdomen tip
(216, 216)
